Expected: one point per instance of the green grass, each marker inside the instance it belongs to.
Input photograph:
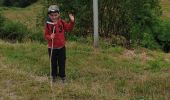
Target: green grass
(27, 16)
(165, 4)
(106, 73)
(93, 74)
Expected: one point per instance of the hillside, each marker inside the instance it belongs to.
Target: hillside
(106, 73)
(93, 74)
(28, 16)
(165, 4)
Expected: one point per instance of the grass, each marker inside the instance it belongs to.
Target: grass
(28, 16)
(92, 74)
(165, 4)
(106, 73)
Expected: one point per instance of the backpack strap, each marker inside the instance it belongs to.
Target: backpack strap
(50, 29)
(47, 26)
(62, 23)
(48, 21)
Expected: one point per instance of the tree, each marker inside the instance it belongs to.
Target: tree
(127, 18)
(7, 3)
(18, 3)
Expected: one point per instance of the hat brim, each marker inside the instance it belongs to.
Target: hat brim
(53, 11)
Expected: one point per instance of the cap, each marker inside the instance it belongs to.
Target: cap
(53, 9)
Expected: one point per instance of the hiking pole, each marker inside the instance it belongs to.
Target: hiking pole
(52, 41)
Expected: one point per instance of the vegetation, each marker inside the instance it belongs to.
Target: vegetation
(13, 31)
(107, 73)
(126, 23)
(17, 3)
(165, 9)
(127, 18)
(103, 74)
(163, 35)
(1, 20)
(18, 25)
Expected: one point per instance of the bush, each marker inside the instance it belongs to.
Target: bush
(149, 42)
(2, 19)
(1, 3)
(18, 3)
(13, 31)
(118, 40)
(37, 36)
(162, 34)
(117, 17)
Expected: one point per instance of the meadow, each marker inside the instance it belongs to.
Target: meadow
(104, 73)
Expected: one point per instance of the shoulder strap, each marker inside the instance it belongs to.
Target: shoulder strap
(47, 26)
(50, 29)
(62, 22)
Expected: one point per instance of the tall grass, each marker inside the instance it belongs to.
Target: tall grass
(92, 74)
(27, 16)
(165, 9)
(106, 73)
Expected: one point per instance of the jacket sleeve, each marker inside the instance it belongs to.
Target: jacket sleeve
(68, 26)
(46, 33)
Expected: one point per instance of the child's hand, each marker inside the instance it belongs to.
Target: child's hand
(52, 36)
(71, 17)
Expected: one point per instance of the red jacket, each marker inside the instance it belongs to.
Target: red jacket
(60, 28)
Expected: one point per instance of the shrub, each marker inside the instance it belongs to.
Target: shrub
(2, 19)
(118, 40)
(162, 34)
(37, 36)
(13, 31)
(127, 18)
(1, 3)
(149, 42)
(18, 3)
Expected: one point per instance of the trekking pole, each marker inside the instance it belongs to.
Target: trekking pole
(52, 41)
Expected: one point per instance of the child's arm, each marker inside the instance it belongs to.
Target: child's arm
(69, 26)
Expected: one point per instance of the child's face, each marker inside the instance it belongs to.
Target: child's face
(54, 16)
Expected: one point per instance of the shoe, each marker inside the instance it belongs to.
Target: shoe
(54, 79)
(63, 80)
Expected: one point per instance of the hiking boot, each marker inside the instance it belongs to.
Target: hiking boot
(54, 79)
(63, 80)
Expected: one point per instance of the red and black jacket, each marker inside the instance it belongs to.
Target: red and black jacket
(61, 27)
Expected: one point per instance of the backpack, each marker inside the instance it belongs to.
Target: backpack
(49, 21)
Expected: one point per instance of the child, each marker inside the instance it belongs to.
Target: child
(54, 34)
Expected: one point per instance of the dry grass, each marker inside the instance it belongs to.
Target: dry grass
(93, 74)
(28, 16)
(165, 4)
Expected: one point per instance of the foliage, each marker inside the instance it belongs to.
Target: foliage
(135, 22)
(145, 14)
(116, 17)
(1, 20)
(1, 2)
(92, 74)
(162, 34)
(18, 3)
(13, 31)
(149, 42)
(37, 36)
(118, 40)
(81, 9)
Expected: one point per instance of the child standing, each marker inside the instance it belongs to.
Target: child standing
(54, 34)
